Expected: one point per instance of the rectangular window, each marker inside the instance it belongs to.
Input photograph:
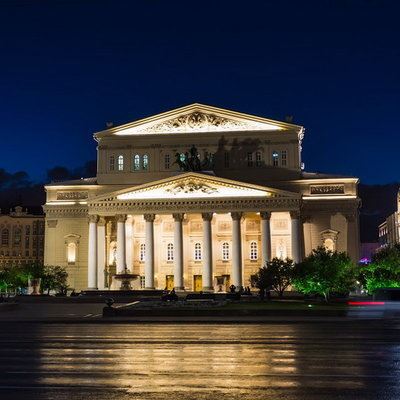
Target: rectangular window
(136, 162)
(284, 158)
(226, 160)
(120, 163)
(26, 242)
(167, 161)
(112, 163)
(275, 158)
(249, 159)
(258, 159)
(142, 282)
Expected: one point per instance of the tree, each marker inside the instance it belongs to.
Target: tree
(384, 270)
(325, 272)
(54, 278)
(275, 275)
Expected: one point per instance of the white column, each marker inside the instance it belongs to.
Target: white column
(149, 257)
(101, 252)
(92, 252)
(121, 243)
(237, 279)
(265, 237)
(129, 243)
(295, 232)
(207, 252)
(178, 252)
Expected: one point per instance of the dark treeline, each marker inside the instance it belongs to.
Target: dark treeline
(378, 201)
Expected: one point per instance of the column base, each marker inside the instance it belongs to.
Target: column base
(149, 288)
(92, 288)
(180, 288)
(208, 289)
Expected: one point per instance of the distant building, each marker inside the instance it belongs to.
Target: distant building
(367, 251)
(22, 237)
(389, 231)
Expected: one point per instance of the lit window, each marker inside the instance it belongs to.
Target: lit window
(17, 236)
(258, 159)
(120, 163)
(167, 161)
(197, 251)
(5, 235)
(249, 159)
(136, 162)
(283, 158)
(71, 253)
(170, 252)
(142, 282)
(329, 244)
(145, 161)
(253, 251)
(275, 158)
(225, 251)
(182, 157)
(142, 252)
(112, 163)
(226, 160)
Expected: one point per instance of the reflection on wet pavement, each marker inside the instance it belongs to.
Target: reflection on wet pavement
(148, 361)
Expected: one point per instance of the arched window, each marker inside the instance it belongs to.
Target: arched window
(253, 251)
(5, 236)
(249, 159)
(284, 158)
(71, 253)
(258, 159)
(170, 252)
(120, 163)
(167, 161)
(225, 251)
(136, 162)
(197, 251)
(142, 252)
(112, 163)
(182, 157)
(275, 158)
(17, 236)
(145, 162)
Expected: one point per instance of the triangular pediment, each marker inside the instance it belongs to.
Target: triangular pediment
(197, 118)
(193, 185)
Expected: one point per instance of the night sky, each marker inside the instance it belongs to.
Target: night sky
(67, 67)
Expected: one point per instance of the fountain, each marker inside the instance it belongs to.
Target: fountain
(126, 278)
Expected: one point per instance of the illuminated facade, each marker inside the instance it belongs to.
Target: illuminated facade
(197, 198)
(22, 237)
(389, 231)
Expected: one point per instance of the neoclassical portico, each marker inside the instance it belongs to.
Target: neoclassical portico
(190, 194)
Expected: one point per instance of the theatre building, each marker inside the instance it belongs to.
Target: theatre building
(197, 198)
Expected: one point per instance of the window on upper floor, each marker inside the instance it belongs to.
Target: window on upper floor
(167, 161)
(182, 157)
(249, 159)
(27, 230)
(226, 160)
(112, 163)
(253, 251)
(120, 163)
(197, 251)
(17, 236)
(136, 162)
(142, 252)
(275, 158)
(170, 252)
(5, 236)
(145, 162)
(225, 251)
(27, 241)
(258, 159)
(284, 158)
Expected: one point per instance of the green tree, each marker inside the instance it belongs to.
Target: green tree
(54, 278)
(325, 272)
(384, 270)
(275, 275)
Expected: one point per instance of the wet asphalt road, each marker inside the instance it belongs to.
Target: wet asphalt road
(341, 360)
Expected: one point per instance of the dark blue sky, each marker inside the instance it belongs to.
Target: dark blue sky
(69, 66)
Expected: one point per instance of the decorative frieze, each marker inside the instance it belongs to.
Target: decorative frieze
(72, 195)
(326, 189)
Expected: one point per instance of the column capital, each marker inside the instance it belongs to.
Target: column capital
(178, 217)
(207, 216)
(93, 218)
(121, 217)
(102, 222)
(294, 214)
(265, 214)
(149, 217)
(236, 215)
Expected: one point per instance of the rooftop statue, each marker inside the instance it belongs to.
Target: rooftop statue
(191, 161)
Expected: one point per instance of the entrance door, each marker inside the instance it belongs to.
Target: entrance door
(169, 282)
(197, 283)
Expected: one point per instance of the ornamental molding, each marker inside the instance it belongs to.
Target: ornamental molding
(327, 189)
(72, 195)
(199, 121)
(191, 187)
